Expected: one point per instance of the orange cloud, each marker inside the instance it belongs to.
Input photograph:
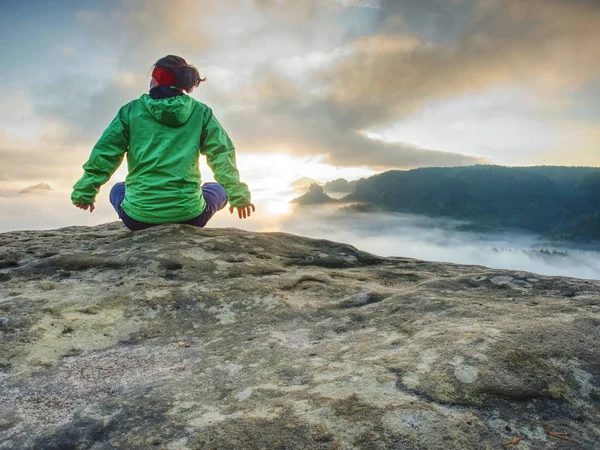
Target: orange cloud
(551, 47)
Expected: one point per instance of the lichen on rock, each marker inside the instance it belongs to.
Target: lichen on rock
(184, 338)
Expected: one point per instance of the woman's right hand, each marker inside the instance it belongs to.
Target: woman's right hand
(243, 211)
(85, 206)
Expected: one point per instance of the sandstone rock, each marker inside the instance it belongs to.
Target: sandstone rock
(184, 338)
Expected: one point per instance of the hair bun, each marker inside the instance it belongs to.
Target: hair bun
(186, 75)
(179, 69)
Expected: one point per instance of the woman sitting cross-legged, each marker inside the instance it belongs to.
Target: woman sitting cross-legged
(163, 133)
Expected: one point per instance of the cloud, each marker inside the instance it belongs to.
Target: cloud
(89, 103)
(140, 32)
(68, 51)
(549, 46)
(112, 67)
(293, 11)
(272, 99)
(284, 119)
(35, 147)
(399, 69)
(35, 165)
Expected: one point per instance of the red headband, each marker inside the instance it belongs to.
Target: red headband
(163, 76)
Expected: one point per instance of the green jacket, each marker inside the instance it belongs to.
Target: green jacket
(162, 139)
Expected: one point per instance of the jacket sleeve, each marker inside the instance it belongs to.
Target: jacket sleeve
(105, 159)
(220, 156)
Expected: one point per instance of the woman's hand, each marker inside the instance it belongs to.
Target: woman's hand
(85, 207)
(243, 211)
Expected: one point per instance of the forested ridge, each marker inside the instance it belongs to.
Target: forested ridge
(557, 202)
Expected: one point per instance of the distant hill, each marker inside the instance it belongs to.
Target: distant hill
(315, 195)
(557, 202)
(37, 189)
(340, 185)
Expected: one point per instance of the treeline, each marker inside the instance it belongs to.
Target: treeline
(557, 202)
(530, 251)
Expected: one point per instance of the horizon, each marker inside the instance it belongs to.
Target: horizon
(426, 236)
(319, 89)
(280, 208)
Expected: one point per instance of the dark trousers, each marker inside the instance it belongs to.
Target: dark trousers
(213, 193)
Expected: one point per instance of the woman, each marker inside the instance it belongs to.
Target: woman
(163, 133)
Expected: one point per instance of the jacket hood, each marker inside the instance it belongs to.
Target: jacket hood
(172, 111)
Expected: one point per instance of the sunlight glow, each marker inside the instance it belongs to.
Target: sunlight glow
(278, 208)
(270, 177)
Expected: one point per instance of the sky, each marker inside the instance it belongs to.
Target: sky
(313, 88)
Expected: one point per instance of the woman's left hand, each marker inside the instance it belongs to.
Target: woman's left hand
(85, 207)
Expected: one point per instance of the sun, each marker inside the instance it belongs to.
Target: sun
(278, 208)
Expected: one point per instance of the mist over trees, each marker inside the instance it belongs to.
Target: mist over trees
(556, 202)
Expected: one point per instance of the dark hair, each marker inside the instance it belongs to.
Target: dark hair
(187, 77)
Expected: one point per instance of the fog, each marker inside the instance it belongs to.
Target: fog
(47, 210)
(384, 234)
(389, 234)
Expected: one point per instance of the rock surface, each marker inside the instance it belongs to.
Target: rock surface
(184, 338)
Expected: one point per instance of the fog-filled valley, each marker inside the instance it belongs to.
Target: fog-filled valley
(395, 234)
(539, 219)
